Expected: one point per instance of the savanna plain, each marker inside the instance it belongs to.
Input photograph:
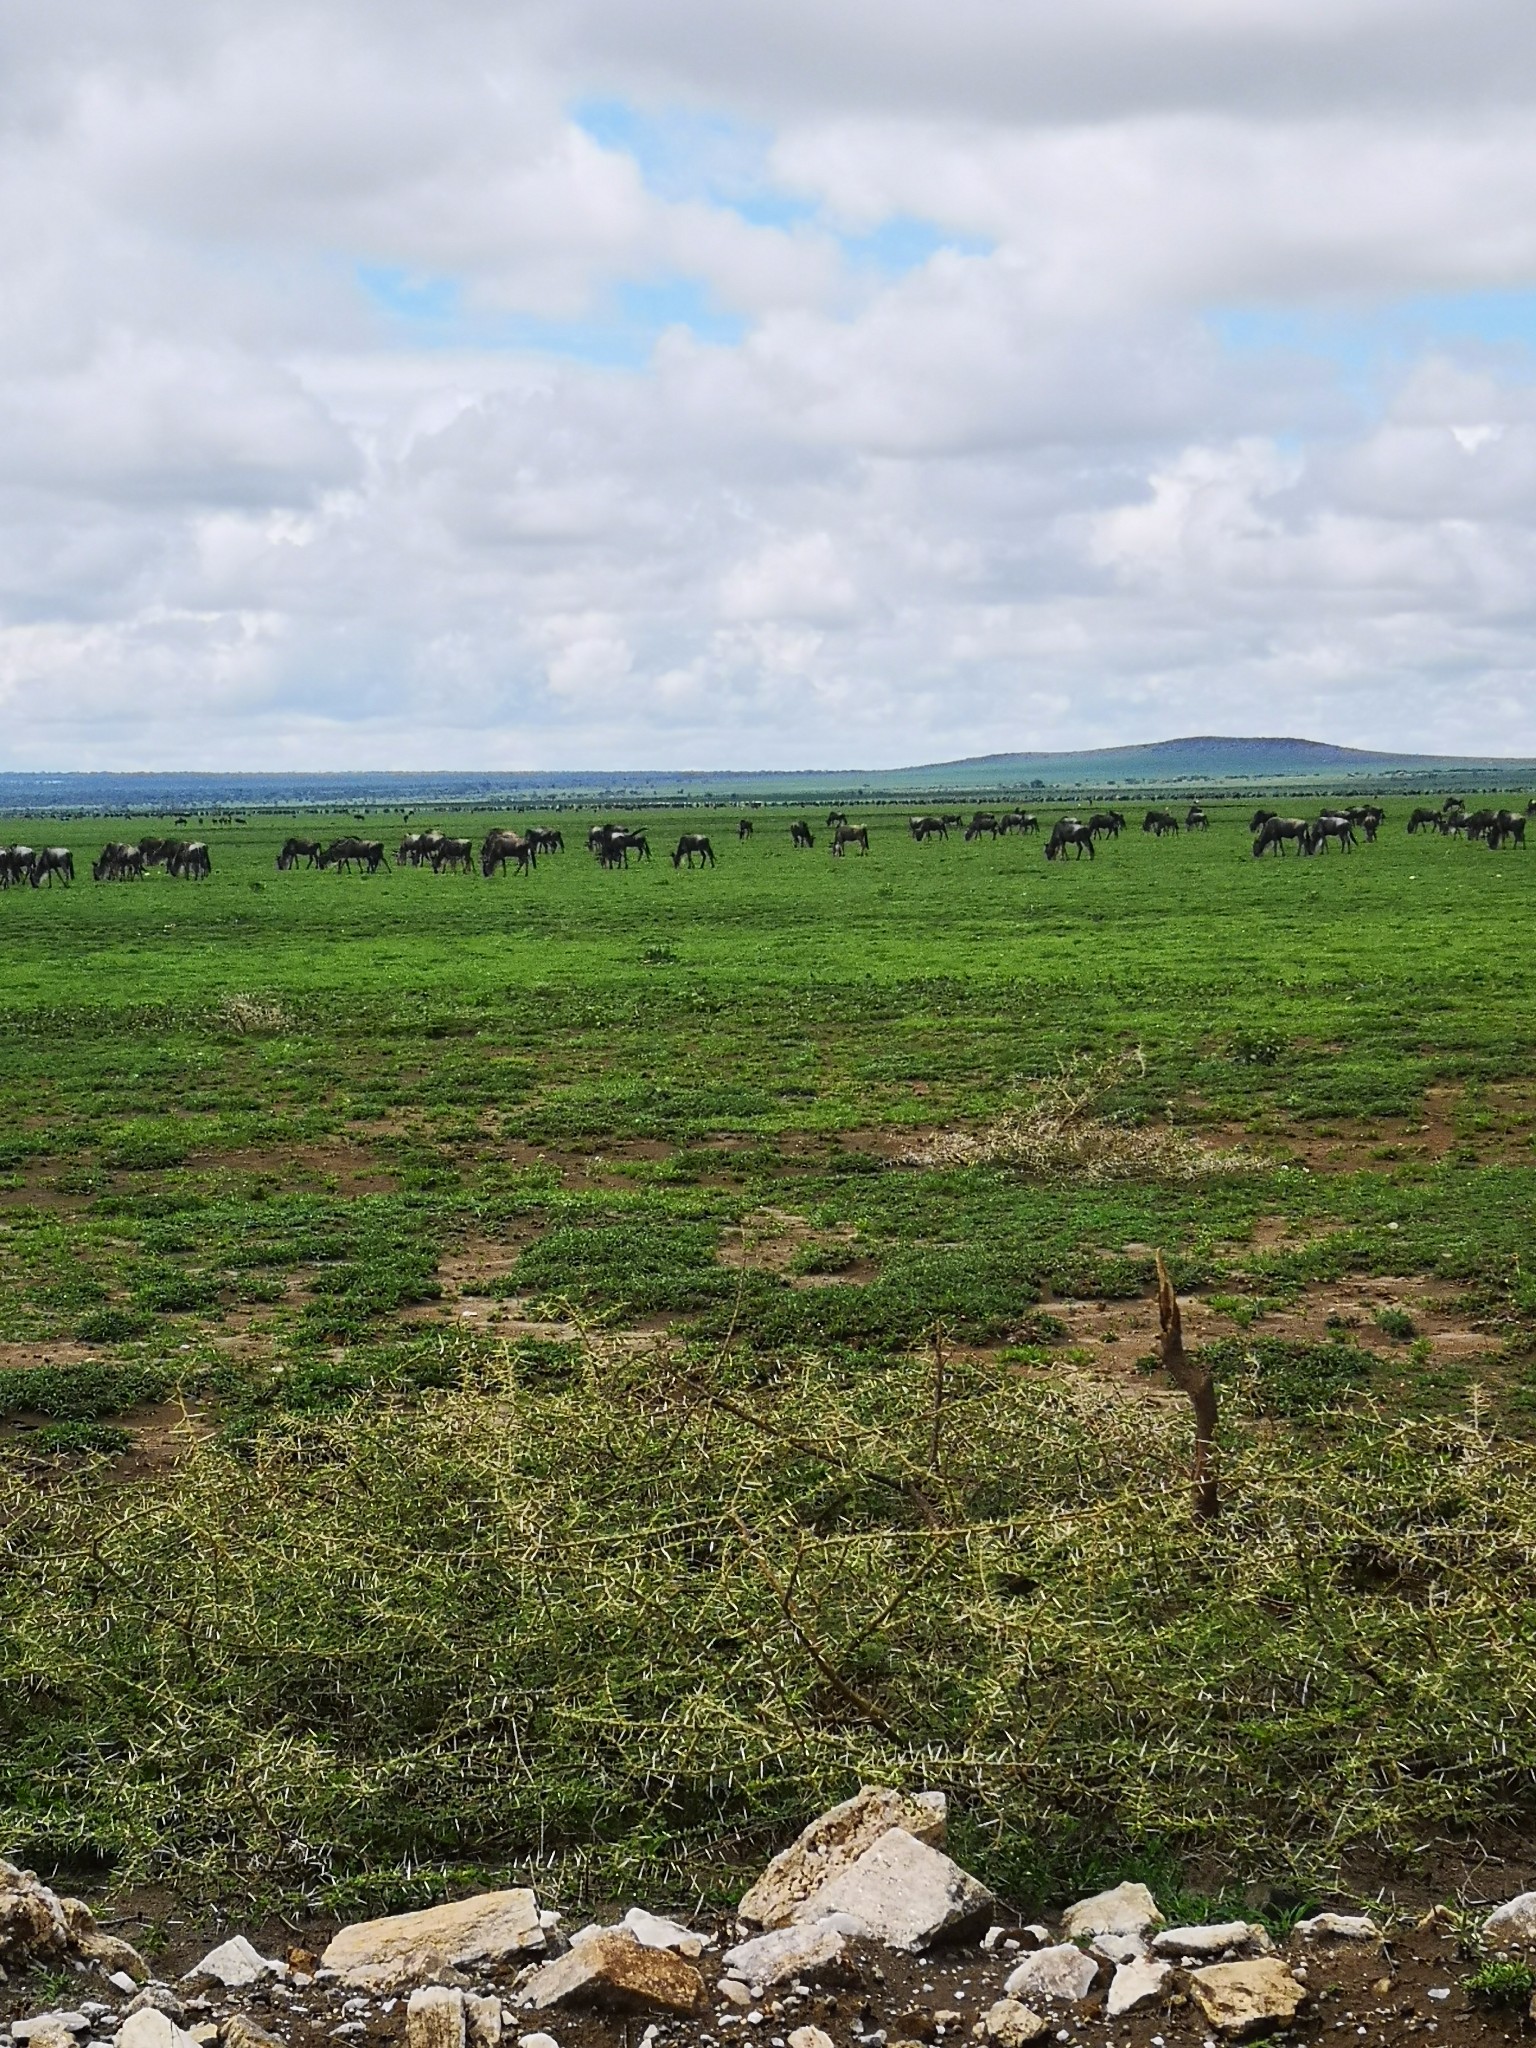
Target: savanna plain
(556, 1380)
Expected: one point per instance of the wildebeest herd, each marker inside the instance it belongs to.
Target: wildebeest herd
(612, 844)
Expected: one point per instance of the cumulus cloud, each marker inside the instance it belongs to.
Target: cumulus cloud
(569, 386)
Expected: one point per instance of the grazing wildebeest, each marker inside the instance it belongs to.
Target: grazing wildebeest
(1478, 823)
(1331, 825)
(295, 850)
(744, 829)
(51, 861)
(837, 818)
(190, 862)
(1069, 832)
(1274, 832)
(927, 828)
(1508, 825)
(500, 847)
(951, 818)
(1423, 818)
(367, 855)
(157, 851)
(118, 862)
(1160, 822)
(1530, 808)
(982, 821)
(1105, 824)
(451, 854)
(15, 865)
(1195, 820)
(1259, 819)
(1368, 818)
(1018, 821)
(690, 844)
(800, 835)
(613, 845)
(850, 835)
(545, 839)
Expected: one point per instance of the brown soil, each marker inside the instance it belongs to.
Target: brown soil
(769, 1239)
(1494, 1130)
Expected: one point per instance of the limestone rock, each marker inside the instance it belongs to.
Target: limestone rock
(406, 1947)
(157, 1997)
(32, 1925)
(1012, 2025)
(1345, 1927)
(1118, 1948)
(809, 2037)
(1053, 1976)
(482, 2021)
(236, 1964)
(239, 2030)
(434, 2017)
(613, 1969)
(537, 2041)
(44, 2022)
(48, 2033)
(835, 1840)
(111, 1955)
(1134, 1984)
(1128, 1909)
(1513, 1925)
(1242, 1937)
(805, 1951)
(1238, 1999)
(904, 1893)
(655, 1932)
(151, 2028)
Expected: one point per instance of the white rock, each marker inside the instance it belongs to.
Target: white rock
(1345, 1926)
(1513, 1925)
(151, 2028)
(1118, 1948)
(834, 1841)
(1247, 1998)
(405, 1947)
(1012, 2025)
(734, 1992)
(785, 1952)
(1243, 1937)
(1053, 1976)
(1128, 1909)
(613, 1969)
(235, 1964)
(1136, 1984)
(69, 2022)
(537, 2041)
(655, 1932)
(904, 1893)
(809, 2037)
(121, 1981)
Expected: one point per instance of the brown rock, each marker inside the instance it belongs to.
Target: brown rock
(835, 1841)
(239, 2030)
(32, 1922)
(1238, 1999)
(612, 1969)
(108, 1952)
(434, 2018)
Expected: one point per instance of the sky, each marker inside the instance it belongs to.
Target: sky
(571, 384)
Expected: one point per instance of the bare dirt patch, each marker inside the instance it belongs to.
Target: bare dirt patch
(351, 1168)
(770, 1240)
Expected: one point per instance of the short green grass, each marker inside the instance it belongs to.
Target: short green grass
(316, 1581)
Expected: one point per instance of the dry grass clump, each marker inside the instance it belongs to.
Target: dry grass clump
(1060, 1131)
(250, 1016)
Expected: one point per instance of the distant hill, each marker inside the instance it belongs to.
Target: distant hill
(1213, 758)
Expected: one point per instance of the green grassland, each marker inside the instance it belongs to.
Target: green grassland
(484, 1385)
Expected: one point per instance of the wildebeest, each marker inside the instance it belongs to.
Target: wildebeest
(1160, 822)
(1478, 823)
(982, 821)
(451, 854)
(15, 865)
(367, 855)
(1423, 819)
(189, 862)
(157, 851)
(744, 829)
(51, 861)
(1368, 818)
(118, 862)
(500, 847)
(951, 818)
(1274, 832)
(1018, 821)
(545, 839)
(800, 835)
(1331, 825)
(836, 818)
(690, 844)
(1105, 824)
(1260, 819)
(613, 845)
(1508, 825)
(1069, 832)
(1195, 820)
(927, 828)
(295, 850)
(850, 835)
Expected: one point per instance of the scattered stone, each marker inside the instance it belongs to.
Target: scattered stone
(434, 2017)
(905, 1893)
(613, 1969)
(50, 2034)
(482, 2020)
(1012, 2025)
(122, 1980)
(734, 1992)
(1513, 1925)
(809, 2037)
(1118, 1948)
(1056, 1976)
(655, 1932)
(406, 1948)
(1134, 1984)
(1241, 1937)
(1238, 1999)
(66, 2022)
(149, 2027)
(806, 1951)
(1128, 1909)
(205, 2033)
(157, 1997)
(835, 1841)
(36, 1925)
(239, 2030)
(235, 1964)
(1341, 1927)
(537, 2041)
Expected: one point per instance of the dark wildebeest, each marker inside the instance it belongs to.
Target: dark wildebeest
(1368, 818)
(927, 828)
(1274, 832)
(613, 845)
(837, 818)
(951, 818)
(1160, 822)
(800, 835)
(295, 850)
(451, 854)
(1069, 832)
(982, 821)
(157, 851)
(1018, 821)
(545, 839)
(1195, 820)
(1508, 825)
(744, 829)
(1260, 818)
(1423, 818)
(118, 862)
(501, 847)
(190, 862)
(15, 865)
(367, 855)
(690, 844)
(850, 835)
(1105, 824)
(1479, 822)
(1331, 825)
(416, 848)
(51, 861)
